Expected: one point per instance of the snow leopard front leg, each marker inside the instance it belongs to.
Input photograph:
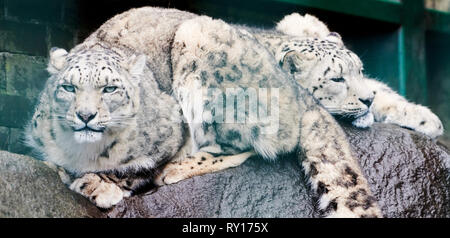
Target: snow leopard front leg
(390, 107)
(335, 175)
(107, 189)
(94, 186)
(186, 164)
(198, 164)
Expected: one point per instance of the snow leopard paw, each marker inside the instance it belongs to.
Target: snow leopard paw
(418, 118)
(99, 192)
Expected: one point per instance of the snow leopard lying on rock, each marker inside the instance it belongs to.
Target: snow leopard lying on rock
(320, 63)
(113, 110)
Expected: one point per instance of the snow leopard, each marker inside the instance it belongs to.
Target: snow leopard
(319, 61)
(153, 83)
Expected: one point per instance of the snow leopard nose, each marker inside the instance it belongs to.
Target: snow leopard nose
(86, 117)
(366, 101)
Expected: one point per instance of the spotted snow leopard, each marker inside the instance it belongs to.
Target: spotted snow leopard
(316, 58)
(113, 109)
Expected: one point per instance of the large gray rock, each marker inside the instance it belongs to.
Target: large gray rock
(408, 173)
(254, 189)
(28, 188)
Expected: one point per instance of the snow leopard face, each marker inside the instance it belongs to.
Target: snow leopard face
(332, 74)
(93, 93)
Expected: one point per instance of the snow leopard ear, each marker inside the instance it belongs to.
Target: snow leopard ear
(335, 37)
(295, 62)
(136, 64)
(57, 60)
(303, 26)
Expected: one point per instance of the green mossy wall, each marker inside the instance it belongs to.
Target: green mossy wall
(28, 29)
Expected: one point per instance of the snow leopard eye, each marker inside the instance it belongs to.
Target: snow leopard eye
(338, 80)
(68, 88)
(109, 89)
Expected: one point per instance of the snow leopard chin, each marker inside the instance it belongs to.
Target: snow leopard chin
(87, 136)
(364, 121)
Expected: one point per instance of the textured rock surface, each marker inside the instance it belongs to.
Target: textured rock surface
(28, 188)
(254, 189)
(408, 173)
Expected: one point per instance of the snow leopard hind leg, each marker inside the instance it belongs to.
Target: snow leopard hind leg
(213, 61)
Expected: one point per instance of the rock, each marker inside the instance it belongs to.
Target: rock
(255, 189)
(28, 188)
(408, 173)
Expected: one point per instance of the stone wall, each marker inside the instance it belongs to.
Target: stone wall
(28, 29)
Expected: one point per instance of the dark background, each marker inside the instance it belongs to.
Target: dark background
(29, 28)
